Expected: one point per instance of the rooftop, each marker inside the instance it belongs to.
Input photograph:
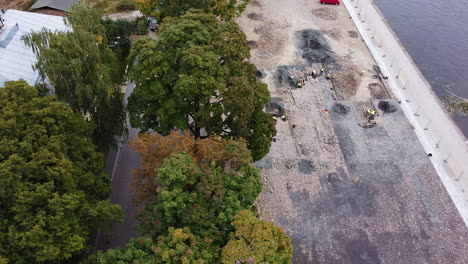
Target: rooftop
(16, 59)
(62, 5)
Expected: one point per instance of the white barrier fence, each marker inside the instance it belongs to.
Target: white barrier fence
(434, 127)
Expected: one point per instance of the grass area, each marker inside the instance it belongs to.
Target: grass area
(113, 6)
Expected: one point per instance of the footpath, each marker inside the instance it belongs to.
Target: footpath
(435, 129)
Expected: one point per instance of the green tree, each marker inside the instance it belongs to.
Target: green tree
(81, 67)
(138, 251)
(227, 9)
(203, 200)
(196, 76)
(53, 189)
(181, 246)
(256, 241)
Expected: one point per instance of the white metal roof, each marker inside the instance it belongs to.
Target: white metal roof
(16, 59)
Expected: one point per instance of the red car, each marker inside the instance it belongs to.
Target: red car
(333, 2)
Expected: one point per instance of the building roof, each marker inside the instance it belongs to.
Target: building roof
(62, 5)
(16, 59)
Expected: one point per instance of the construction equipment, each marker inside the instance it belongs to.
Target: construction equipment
(369, 114)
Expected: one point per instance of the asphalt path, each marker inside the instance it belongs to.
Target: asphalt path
(120, 164)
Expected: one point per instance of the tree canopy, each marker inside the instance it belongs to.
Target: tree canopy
(196, 76)
(138, 251)
(205, 200)
(227, 9)
(80, 65)
(256, 241)
(52, 185)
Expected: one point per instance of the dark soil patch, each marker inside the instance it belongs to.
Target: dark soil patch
(353, 34)
(387, 107)
(377, 91)
(255, 16)
(315, 47)
(260, 74)
(290, 75)
(340, 109)
(252, 44)
(305, 166)
(275, 109)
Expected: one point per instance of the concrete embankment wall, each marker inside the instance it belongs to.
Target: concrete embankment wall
(434, 127)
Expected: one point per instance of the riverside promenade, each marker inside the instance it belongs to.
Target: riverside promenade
(435, 129)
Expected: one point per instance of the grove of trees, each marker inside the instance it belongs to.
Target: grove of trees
(226, 9)
(53, 189)
(200, 110)
(84, 72)
(196, 77)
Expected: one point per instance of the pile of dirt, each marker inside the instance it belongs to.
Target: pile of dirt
(275, 109)
(387, 107)
(353, 34)
(315, 47)
(252, 44)
(325, 13)
(377, 91)
(290, 75)
(255, 16)
(347, 79)
(340, 108)
(270, 41)
(256, 3)
(335, 33)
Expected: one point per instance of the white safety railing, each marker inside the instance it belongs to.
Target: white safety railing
(436, 130)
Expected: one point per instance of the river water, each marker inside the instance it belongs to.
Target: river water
(435, 33)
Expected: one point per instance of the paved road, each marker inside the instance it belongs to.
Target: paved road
(127, 160)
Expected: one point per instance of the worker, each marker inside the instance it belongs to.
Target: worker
(299, 84)
(303, 81)
(329, 76)
(371, 114)
(363, 72)
(314, 74)
(274, 117)
(322, 70)
(283, 117)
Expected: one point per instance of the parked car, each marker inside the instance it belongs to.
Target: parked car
(153, 24)
(332, 2)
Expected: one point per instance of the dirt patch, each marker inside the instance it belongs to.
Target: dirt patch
(260, 74)
(315, 47)
(335, 34)
(340, 109)
(325, 13)
(305, 166)
(255, 16)
(353, 34)
(256, 3)
(290, 75)
(386, 106)
(346, 80)
(270, 43)
(377, 91)
(252, 44)
(275, 109)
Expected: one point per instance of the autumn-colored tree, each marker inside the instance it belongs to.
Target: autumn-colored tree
(196, 77)
(53, 188)
(203, 197)
(256, 241)
(154, 148)
(181, 246)
(226, 9)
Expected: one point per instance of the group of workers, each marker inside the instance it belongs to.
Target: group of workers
(314, 75)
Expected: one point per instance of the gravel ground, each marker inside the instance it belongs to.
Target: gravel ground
(345, 194)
